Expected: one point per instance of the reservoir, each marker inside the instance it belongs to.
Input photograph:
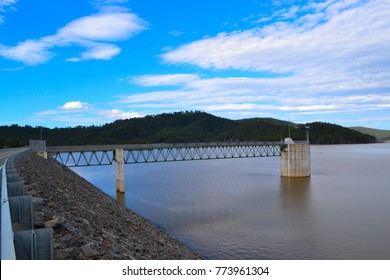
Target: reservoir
(243, 209)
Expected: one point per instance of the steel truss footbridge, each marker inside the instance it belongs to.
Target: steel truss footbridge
(74, 156)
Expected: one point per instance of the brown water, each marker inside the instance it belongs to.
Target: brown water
(243, 209)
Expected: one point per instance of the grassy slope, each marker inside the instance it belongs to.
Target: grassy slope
(380, 134)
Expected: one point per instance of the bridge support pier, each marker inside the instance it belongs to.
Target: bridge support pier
(120, 170)
(295, 160)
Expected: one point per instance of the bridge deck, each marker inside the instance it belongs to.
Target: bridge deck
(162, 152)
(90, 148)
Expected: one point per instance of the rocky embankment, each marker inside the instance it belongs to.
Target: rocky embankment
(87, 223)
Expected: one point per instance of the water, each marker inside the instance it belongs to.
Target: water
(243, 209)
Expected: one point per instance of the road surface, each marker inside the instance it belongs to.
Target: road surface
(4, 153)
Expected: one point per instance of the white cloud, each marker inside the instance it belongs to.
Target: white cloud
(4, 6)
(118, 114)
(176, 33)
(103, 27)
(164, 80)
(6, 3)
(90, 32)
(65, 119)
(78, 113)
(99, 52)
(286, 108)
(73, 59)
(30, 52)
(74, 105)
(334, 57)
(348, 36)
(12, 69)
(48, 113)
(242, 97)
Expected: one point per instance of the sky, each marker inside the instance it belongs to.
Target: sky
(90, 62)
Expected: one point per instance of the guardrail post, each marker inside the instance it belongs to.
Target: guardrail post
(120, 170)
(12, 178)
(21, 211)
(15, 189)
(34, 244)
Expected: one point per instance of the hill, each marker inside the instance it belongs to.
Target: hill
(181, 127)
(380, 134)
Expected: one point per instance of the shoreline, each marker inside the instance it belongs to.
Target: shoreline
(88, 223)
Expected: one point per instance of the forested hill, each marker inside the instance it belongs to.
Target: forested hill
(180, 127)
(380, 134)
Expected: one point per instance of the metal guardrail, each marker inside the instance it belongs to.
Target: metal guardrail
(7, 236)
(19, 241)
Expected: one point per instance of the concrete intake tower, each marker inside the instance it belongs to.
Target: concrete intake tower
(295, 159)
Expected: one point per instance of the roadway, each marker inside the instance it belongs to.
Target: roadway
(4, 153)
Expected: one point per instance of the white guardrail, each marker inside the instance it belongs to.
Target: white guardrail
(22, 242)
(7, 235)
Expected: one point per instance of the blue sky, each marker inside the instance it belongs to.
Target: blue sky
(68, 63)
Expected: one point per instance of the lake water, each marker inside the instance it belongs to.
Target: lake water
(243, 209)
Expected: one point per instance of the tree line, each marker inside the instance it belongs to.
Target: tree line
(181, 127)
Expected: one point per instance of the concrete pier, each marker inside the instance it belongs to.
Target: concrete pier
(295, 160)
(120, 170)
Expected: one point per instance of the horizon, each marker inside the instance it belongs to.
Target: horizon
(91, 62)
